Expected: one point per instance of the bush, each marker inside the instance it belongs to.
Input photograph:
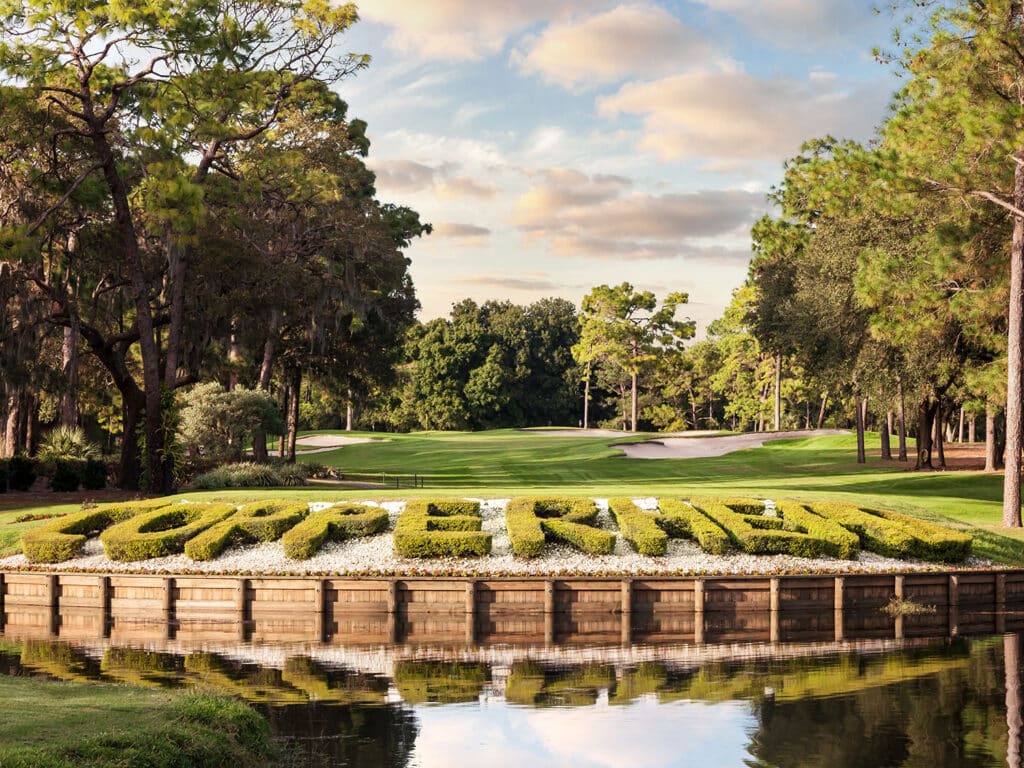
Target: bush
(531, 522)
(161, 532)
(437, 528)
(67, 475)
(247, 474)
(216, 423)
(334, 523)
(3, 475)
(94, 475)
(21, 473)
(64, 443)
(844, 544)
(763, 541)
(895, 535)
(63, 539)
(682, 521)
(639, 528)
(258, 521)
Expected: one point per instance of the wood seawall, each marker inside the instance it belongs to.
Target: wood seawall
(491, 610)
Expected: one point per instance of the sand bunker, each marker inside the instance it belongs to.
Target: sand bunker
(324, 443)
(708, 447)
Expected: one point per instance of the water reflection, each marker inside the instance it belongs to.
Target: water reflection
(941, 702)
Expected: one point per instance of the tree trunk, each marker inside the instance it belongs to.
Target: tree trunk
(234, 355)
(1014, 715)
(259, 438)
(821, 411)
(633, 402)
(294, 394)
(901, 419)
(348, 411)
(960, 434)
(69, 374)
(31, 417)
(1015, 360)
(11, 427)
(131, 413)
(925, 425)
(886, 432)
(586, 400)
(972, 436)
(807, 414)
(991, 450)
(939, 437)
(778, 393)
(861, 455)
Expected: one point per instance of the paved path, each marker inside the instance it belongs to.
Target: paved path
(707, 447)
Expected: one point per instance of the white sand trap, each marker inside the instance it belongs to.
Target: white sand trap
(613, 433)
(324, 443)
(708, 447)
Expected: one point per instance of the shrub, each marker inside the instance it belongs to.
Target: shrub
(531, 522)
(246, 474)
(895, 535)
(334, 523)
(63, 539)
(216, 423)
(682, 521)
(258, 521)
(843, 543)
(67, 475)
(639, 528)
(94, 475)
(63, 443)
(763, 541)
(161, 532)
(21, 473)
(437, 528)
(3, 475)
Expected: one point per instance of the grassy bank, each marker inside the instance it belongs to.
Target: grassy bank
(61, 725)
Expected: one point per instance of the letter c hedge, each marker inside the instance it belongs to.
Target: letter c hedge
(161, 532)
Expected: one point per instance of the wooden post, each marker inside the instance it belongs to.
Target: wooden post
(1000, 606)
(698, 610)
(319, 597)
(168, 607)
(773, 618)
(898, 623)
(392, 605)
(103, 601)
(549, 612)
(954, 605)
(241, 590)
(470, 612)
(3, 595)
(53, 601)
(838, 600)
(627, 612)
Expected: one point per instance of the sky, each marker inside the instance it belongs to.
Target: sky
(555, 145)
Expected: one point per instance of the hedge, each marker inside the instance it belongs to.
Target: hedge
(639, 528)
(63, 538)
(334, 523)
(682, 521)
(531, 522)
(748, 533)
(161, 532)
(842, 543)
(436, 528)
(259, 521)
(21, 473)
(895, 535)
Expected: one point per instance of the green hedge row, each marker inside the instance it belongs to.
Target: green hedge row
(684, 521)
(63, 538)
(437, 528)
(161, 532)
(344, 521)
(639, 528)
(259, 521)
(895, 535)
(531, 522)
(758, 535)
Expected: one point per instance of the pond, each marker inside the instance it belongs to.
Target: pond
(929, 701)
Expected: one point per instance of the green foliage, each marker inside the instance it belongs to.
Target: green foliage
(161, 532)
(247, 474)
(62, 539)
(420, 682)
(257, 521)
(21, 473)
(895, 535)
(216, 423)
(337, 523)
(437, 528)
(532, 521)
(63, 443)
(639, 528)
(679, 519)
(67, 476)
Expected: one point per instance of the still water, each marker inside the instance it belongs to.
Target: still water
(883, 702)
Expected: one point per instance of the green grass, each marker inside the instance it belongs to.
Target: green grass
(47, 724)
(10, 531)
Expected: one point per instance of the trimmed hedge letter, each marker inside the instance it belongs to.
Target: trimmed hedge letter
(531, 522)
(259, 521)
(649, 532)
(63, 539)
(344, 521)
(795, 532)
(161, 532)
(438, 528)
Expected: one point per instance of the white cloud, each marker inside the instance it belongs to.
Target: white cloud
(729, 118)
(629, 40)
(804, 24)
(461, 30)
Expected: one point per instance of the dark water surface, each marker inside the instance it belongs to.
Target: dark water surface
(883, 702)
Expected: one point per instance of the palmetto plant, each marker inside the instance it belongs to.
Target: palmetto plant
(63, 443)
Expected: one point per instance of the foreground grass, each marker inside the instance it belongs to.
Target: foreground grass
(62, 725)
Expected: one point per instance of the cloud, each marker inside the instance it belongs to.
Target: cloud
(629, 40)
(514, 283)
(455, 230)
(408, 176)
(460, 30)
(804, 24)
(730, 118)
(603, 217)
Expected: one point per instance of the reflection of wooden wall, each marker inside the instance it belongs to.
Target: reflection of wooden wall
(141, 608)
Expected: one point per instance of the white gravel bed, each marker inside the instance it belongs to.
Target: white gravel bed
(375, 555)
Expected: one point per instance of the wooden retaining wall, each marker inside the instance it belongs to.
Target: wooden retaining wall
(140, 608)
